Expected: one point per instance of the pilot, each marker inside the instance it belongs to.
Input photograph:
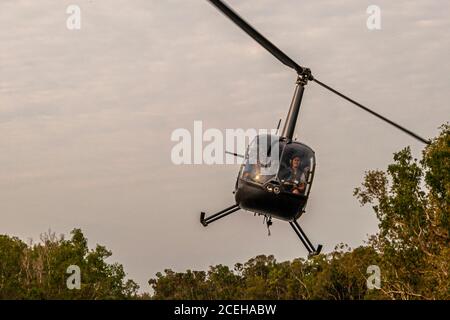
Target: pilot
(295, 175)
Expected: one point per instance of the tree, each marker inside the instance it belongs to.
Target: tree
(411, 201)
(39, 271)
(11, 273)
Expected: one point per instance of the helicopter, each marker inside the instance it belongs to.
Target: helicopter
(277, 173)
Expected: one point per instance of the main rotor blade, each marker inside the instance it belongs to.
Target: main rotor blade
(374, 113)
(269, 46)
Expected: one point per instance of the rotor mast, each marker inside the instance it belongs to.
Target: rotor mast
(294, 109)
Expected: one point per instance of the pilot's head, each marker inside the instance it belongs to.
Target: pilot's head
(295, 162)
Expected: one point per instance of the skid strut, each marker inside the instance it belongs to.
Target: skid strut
(219, 215)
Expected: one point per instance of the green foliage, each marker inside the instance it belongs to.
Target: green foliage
(39, 271)
(11, 273)
(340, 275)
(411, 201)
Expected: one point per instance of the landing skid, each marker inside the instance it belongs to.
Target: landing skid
(219, 215)
(304, 239)
(312, 251)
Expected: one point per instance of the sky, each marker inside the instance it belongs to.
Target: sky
(86, 118)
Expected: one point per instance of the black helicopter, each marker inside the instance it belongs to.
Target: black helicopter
(276, 176)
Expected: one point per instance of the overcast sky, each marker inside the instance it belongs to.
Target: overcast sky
(86, 117)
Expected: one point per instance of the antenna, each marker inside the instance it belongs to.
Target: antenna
(278, 126)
